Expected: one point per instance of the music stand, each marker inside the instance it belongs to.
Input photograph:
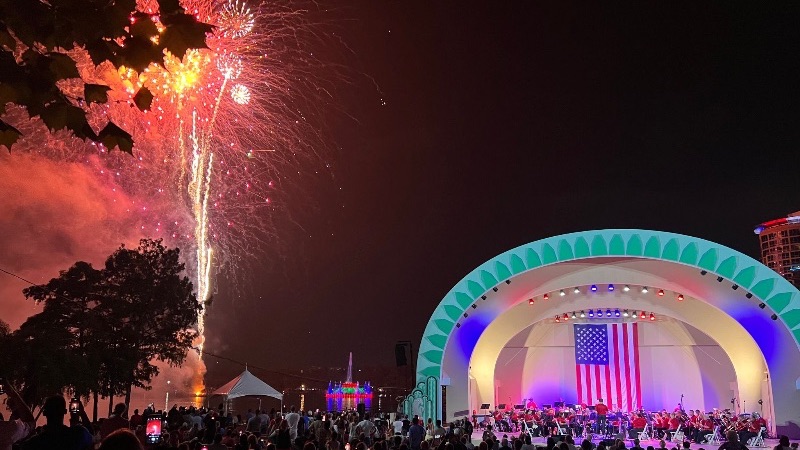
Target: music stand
(548, 406)
(559, 404)
(520, 406)
(501, 406)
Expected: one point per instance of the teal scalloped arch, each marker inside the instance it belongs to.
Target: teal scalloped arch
(736, 267)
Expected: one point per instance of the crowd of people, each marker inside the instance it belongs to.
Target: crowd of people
(183, 428)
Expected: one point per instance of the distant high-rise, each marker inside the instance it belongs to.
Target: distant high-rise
(780, 246)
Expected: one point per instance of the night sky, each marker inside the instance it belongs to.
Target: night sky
(507, 122)
(459, 130)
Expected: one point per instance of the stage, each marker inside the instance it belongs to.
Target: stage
(542, 442)
(642, 319)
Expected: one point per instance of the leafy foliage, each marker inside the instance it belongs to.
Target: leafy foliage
(36, 36)
(100, 329)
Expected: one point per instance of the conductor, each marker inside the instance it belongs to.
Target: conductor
(601, 410)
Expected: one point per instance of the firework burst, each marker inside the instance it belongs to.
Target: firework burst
(209, 151)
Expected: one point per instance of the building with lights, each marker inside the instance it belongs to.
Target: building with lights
(348, 394)
(780, 246)
(642, 319)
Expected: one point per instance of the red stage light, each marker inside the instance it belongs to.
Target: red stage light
(546, 296)
(680, 297)
(660, 292)
(642, 316)
(530, 301)
(566, 317)
(558, 319)
(652, 317)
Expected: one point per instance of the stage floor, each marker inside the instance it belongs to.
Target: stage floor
(542, 442)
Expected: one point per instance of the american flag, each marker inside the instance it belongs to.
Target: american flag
(607, 365)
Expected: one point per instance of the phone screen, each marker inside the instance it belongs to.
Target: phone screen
(154, 430)
(74, 406)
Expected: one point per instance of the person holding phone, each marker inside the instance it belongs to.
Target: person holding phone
(21, 422)
(55, 434)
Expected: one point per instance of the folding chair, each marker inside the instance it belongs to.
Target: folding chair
(713, 438)
(677, 435)
(757, 441)
(644, 435)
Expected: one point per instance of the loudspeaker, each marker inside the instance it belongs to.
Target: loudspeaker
(400, 355)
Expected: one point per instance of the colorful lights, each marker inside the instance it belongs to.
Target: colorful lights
(608, 313)
(616, 313)
(562, 293)
(546, 296)
(644, 289)
(566, 317)
(530, 301)
(591, 314)
(652, 317)
(660, 292)
(680, 297)
(558, 319)
(583, 314)
(594, 288)
(642, 316)
(576, 291)
(610, 288)
(626, 288)
(625, 313)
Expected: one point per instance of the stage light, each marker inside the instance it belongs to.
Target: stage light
(774, 317)
(680, 297)
(735, 287)
(644, 289)
(748, 295)
(660, 292)
(608, 313)
(508, 281)
(474, 306)
(562, 293)
(703, 272)
(599, 313)
(566, 317)
(610, 288)
(591, 314)
(652, 317)
(594, 288)
(530, 301)
(576, 290)
(574, 316)
(546, 296)
(558, 319)
(616, 313)
(626, 288)
(466, 315)
(583, 314)
(762, 305)
(494, 288)
(642, 316)
(719, 279)
(625, 313)
(458, 325)
(483, 297)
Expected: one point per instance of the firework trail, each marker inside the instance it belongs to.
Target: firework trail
(224, 124)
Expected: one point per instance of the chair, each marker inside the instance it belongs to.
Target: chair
(644, 435)
(758, 440)
(714, 438)
(677, 435)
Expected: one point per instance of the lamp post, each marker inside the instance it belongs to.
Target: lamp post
(166, 400)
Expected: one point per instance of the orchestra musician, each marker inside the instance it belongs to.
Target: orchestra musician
(673, 423)
(637, 425)
(753, 427)
(602, 412)
(705, 426)
(691, 423)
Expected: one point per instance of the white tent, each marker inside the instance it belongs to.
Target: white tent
(247, 384)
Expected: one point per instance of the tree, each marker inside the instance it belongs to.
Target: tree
(100, 330)
(37, 36)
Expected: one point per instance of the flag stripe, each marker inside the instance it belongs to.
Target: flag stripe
(580, 385)
(616, 367)
(638, 382)
(598, 381)
(627, 360)
(589, 384)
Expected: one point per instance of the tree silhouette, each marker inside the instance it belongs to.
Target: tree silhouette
(100, 330)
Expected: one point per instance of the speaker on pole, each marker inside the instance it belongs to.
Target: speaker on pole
(400, 354)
